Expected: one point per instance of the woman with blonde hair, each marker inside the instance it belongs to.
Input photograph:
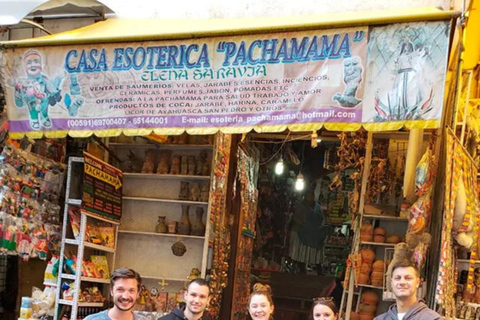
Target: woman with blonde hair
(260, 303)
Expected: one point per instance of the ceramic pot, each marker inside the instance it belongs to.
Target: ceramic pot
(198, 227)
(161, 226)
(184, 225)
(172, 227)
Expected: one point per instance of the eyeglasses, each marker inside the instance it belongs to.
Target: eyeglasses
(320, 299)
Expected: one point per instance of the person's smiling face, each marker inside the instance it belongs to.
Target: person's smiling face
(323, 312)
(33, 65)
(125, 294)
(260, 308)
(197, 298)
(405, 282)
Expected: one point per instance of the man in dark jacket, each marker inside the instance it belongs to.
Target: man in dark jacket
(197, 298)
(405, 282)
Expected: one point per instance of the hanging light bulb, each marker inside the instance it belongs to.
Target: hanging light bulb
(300, 182)
(279, 167)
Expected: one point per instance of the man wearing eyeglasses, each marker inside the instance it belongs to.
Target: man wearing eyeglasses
(405, 282)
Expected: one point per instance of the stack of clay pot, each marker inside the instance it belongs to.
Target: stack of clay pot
(368, 305)
(393, 239)
(379, 235)
(366, 268)
(366, 233)
(378, 270)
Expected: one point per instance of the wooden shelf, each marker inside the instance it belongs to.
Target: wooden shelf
(175, 235)
(80, 304)
(94, 216)
(370, 286)
(96, 280)
(87, 279)
(384, 217)
(98, 247)
(164, 176)
(161, 146)
(345, 246)
(198, 203)
(164, 278)
(381, 244)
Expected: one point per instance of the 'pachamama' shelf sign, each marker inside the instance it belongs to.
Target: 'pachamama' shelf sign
(381, 78)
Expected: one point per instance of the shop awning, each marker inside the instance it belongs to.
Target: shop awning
(382, 70)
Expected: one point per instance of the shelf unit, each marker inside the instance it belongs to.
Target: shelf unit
(377, 215)
(197, 203)
(81, 245)
(378, 244)
(149, 195)
(163, 176)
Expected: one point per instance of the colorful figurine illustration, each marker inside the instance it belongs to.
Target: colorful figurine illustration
(37, 92)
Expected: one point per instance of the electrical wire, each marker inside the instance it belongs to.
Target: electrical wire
(275, 154)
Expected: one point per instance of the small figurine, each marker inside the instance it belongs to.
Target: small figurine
(184, 166)
(184, 190)
(191, 165)
(195, 192)
(163, 164)
(205, 192)
(149, 164)
(175, 168)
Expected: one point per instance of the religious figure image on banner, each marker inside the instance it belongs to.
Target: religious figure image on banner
(36, 92)
(406, 72)
(352, 77)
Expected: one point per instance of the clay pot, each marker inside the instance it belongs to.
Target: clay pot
(377, 277)
(393, 239)
(172, 227)
(370, 297)
(367, 309)
(366, 232)
(368, 256)
(366, 268)
(354, 316)
(366, 317)
(161, 226)
(379, 239)
(366, 237)
(377, 282)
(198, 227)
(379, 266)
(363, 278)
(184, 225)
(379, 231)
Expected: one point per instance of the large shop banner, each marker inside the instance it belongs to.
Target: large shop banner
(379, 77)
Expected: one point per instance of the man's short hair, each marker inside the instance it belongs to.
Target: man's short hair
(405, 263)
(125, 273)
(200, 282)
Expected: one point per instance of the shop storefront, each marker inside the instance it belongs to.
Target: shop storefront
(382, 71)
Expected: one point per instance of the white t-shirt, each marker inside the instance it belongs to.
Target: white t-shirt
(401, 315)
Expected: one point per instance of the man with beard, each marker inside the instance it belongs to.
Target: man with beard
(405, 282)
(125, 288)
(197, 298)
